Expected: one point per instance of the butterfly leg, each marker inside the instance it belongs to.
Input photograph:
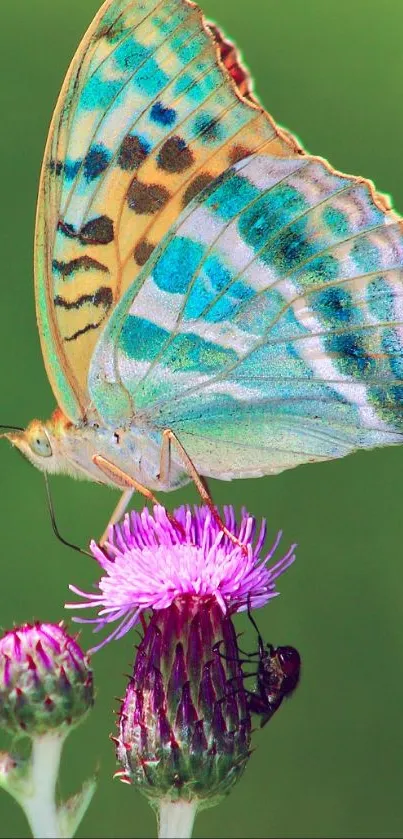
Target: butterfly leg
(169, 438)
(118, 512)
(118, 476)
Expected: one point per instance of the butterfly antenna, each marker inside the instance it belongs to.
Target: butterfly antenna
(10, 428)
(54, 523)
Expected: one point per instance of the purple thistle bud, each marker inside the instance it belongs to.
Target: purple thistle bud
(184, 725)
(148, 563)
(45, 679)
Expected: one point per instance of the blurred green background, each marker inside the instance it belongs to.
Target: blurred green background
(330, 764)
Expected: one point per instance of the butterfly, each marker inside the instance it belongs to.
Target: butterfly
(211, 300)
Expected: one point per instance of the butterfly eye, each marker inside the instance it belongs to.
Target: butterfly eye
(40, 445)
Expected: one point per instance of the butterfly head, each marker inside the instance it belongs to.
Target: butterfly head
(34, 443)
(40, 442)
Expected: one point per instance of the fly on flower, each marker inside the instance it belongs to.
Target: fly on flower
(278, 674)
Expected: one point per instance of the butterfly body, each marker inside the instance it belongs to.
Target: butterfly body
(57, 446)
(198, 274)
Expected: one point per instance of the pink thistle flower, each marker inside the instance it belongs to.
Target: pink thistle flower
(149, 563)
(184, 727)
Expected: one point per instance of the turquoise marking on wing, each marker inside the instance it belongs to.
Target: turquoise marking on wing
(270, 213)
(215, 277)
(174, 270)
(336, 220)
(98, 94)
(149, 80)
(365, 255)
(199, 89)
(392, 347)
(281, 343)
(380, 299)
(192, 353)
(140, 339)
(232, 194)
(130, 54)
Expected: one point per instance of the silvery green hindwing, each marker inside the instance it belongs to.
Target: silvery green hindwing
(184, 727)
(46, 689)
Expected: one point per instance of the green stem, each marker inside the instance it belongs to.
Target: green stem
(38, 797)
(176, 819)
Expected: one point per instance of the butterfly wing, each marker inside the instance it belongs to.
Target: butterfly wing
(155, 105)
(267, 327)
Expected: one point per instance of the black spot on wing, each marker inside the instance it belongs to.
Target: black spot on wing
(68, 168)
(102, 297)
(111, 31)
(175, 156)
(96, 161)
(56, 167)
(146, 199)
(84, 263)
(82, 331)
(67, 230)
(208, 128)
(143, 251)
(237, 153)
(200, 182)
(98, 231)
(132, 153)
(162, 115)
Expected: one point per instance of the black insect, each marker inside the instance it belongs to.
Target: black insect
(277, 676)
